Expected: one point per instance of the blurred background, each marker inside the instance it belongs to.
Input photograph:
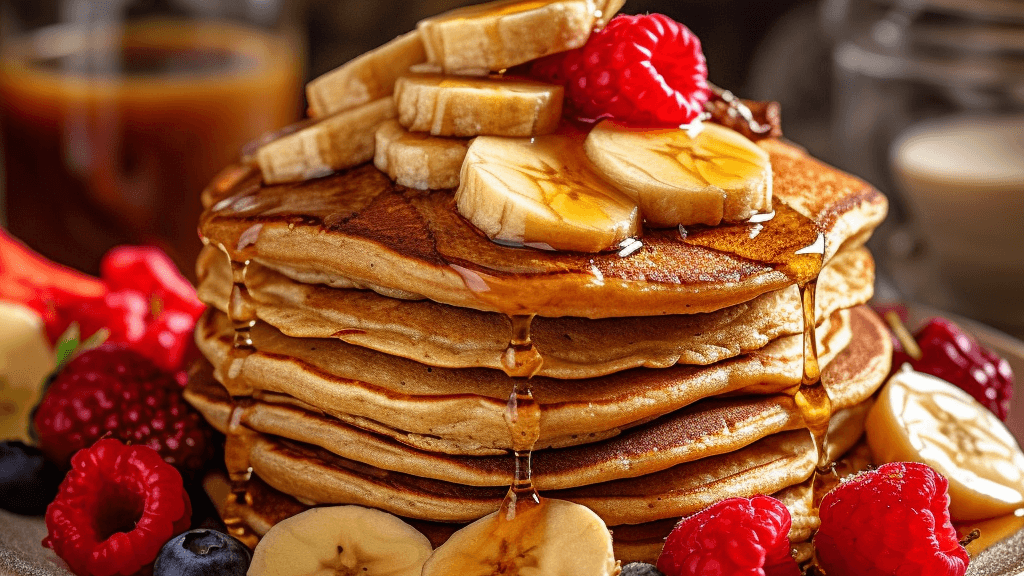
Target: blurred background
(115, 114)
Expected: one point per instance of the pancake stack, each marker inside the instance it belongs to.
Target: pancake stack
(360, 333)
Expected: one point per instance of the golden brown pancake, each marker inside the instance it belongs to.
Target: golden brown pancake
(571, 347)
(314, 476)
(415, 404)
(703, 429)
(360, 226)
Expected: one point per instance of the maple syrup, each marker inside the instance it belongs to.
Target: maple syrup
(521, 360)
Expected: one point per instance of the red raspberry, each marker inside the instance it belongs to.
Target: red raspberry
(893, 520)
(117, 391)
(641, 70)
(738, 536)
(953, 355)
(115, 509)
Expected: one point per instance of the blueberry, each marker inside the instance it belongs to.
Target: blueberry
(28, 481)
(202, 552)
(640, 569)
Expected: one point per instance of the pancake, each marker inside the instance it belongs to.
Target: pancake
(633, 543)
(360, 226)
(314, 476)
(571, 347)
(703, 429)
(415, 404)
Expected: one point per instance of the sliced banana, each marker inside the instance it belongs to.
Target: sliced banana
(25, 360)
(341, 541)
(678, 177)
(925, 419)
(365, 78)
(542, 192)
(555, 538)
(418, 160)
(466, 106)
(334, 143)
(498, 35)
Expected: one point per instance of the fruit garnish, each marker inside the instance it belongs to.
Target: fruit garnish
(202, 552)
(494, 36)
(921, 418)
(141, 302)
(464, 106)
(893, 520)
(679, 177)
(553, 537)
(26, 358)
(542, 192)
(737, 536)
(337, 540)
(418, 160)
(332, 143)
(640, 569)
(28, 481)
(115, 509)
(645, 70)
(112, 390)
(365, 78)
(29, 279)
(946, 351)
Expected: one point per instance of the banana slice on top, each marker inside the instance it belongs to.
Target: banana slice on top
(921, 418)
(341, 541)
(542, 192)
(677, 176)
(553, 538)
(497, 35)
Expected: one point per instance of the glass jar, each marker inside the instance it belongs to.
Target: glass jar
(115, 115)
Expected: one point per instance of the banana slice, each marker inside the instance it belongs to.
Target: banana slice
(365, 78)
(25, 361)
(334, 143)
(554, 538)
(922, 418)
(416, 160)
(498, 35)
(680, 178)
(542, 192)
(341, 541)
(464, 106)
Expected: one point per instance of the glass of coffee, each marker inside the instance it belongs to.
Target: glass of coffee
(116, 114)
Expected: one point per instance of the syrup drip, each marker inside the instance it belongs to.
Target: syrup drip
(521, 360)
(242, 314)
(238, 443)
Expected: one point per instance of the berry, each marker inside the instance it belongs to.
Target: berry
(641, 70)
(115, 509)
(737, 536)
(114, 391)
(28, 481)
(639, 569)
(893, 520)
(200, 553)
(951, 354)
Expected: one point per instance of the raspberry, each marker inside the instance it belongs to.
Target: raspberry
(116, 391)
(893, 520)
(951, 354)
(115, 509)
(641, 70)
(737, 536)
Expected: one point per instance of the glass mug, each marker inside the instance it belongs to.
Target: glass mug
(115, 115)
